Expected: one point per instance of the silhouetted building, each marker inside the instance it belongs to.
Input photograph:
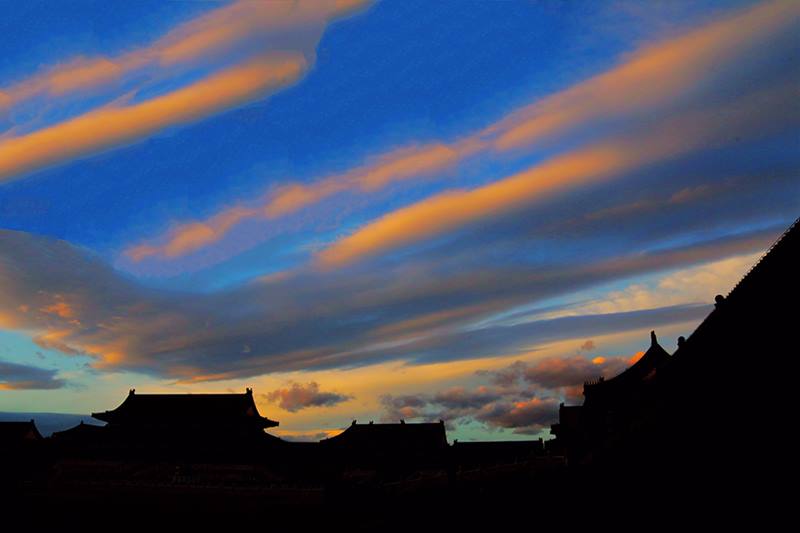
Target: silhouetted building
(14, 435)
(681, 414)
(83, 439)
(79, 433)
(388, 447)
(609, 407)
(233, 413)
(480, 453)
(22, 454)
(180, 424)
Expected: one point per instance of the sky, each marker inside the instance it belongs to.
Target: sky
(387, 210)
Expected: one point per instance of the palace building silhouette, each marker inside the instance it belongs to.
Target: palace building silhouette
(664, 420)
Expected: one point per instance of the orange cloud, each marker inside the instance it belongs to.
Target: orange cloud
(655, 75)
(405, 163)
(205, 36)
(452, 209)
(751, 114)
(652, 76)
(635, 357)
(111, 126)
(192, 236)
(61, 309)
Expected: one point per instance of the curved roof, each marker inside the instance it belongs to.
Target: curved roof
(402, 437)
(639, 372)
(186, 409)
(15, 432)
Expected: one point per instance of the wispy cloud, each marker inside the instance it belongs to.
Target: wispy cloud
(691, 69)
(14, 376)
(267, 66)
(112, 126)
(754, 115)
(70, 300)
(201, 39)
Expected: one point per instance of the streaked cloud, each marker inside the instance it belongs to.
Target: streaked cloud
(271, 66)
(14, 376)
(205, 37)
(453, 209)
(312, 321)
(111, 126)
(658, 79)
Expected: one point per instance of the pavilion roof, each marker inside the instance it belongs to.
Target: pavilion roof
(186, 409)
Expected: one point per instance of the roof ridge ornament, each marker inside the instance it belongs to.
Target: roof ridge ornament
(653, 338)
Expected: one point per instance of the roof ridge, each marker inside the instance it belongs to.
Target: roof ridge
(777, 241)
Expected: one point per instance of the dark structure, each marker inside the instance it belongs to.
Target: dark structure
(179, 413)
(610, 406)
(676, 417)
(22, 453)
(661, 440)
(388, 448)
(189, 425)
(492, 453)
(14, 435)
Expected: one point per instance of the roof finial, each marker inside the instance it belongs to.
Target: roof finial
(653, 339)
(131, 392)
(249, 391)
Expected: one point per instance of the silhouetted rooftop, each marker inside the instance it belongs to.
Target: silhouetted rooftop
(79, 431)
(16, 432)
(641, 370)
(186, 409)
(407, 437)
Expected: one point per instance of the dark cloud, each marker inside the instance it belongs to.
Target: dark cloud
(526, 417)
(522, 397)
(75, 302)
(298, 396)
(404, 407)
(15, 376)
(557, 372)
(558, 376)
(588, 346)
(520, 410)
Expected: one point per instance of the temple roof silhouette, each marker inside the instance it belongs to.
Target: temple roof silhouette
(643, 369)
(79, 432)
(186, 409)
(16, 432)
(661, 395)
(412, 437)
(753, 302)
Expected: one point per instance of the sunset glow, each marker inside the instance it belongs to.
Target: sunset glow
(378, 211)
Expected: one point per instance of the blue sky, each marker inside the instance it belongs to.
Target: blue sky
(209, 195)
